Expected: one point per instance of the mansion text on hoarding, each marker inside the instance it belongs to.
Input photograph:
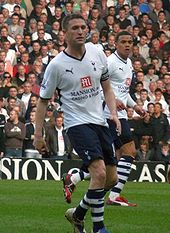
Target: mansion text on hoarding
(46, 169)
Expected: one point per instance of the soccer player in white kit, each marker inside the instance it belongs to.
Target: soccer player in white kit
(78, 72)
(120, 73)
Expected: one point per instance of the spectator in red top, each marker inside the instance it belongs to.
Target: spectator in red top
(162, 38)
(25, 62)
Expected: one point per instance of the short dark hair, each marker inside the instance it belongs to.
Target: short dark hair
(17, 6)
(143, 90)
(122, 8)
(34, 95)
(161, 11)
(122, 33)
(158, 90)
(150, 104)
(150, 66)
(111, 7)
(141, 83)
(160, 105)
(13, 87)
(70, 17)
(10, 98)
(15, 14)
(4, 39)
(140, 71)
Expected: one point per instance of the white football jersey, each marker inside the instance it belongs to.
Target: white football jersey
(79, 83)
(120, 73)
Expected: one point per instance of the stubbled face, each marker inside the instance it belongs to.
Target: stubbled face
(59, 122)
(124, 46)
(157, 109)
(76, 32)
(13, 115)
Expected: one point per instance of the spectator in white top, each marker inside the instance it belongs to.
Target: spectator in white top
(14, 28)
(144, 98)
(95, 40)
(40, 25)
(10, 6)
(150, 75)
(51, 5)
(151, 92)
(159, 99)
(6, 15)
(4, 33)
(25, 97)
(22, 10)
(10, 53)
(143, 47)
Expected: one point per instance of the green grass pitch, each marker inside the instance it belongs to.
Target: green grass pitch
(39, 207)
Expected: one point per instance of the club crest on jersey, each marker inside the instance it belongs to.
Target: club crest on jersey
(93, 64)
(128, 81)
(86, 82)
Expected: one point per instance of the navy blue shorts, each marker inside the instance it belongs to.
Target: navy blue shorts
(126, 135)
(92, 142)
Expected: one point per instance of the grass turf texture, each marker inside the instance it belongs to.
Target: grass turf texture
(39, 207)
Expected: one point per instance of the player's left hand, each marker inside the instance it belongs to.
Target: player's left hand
(139, 110)
(118, 124)
(40, 145)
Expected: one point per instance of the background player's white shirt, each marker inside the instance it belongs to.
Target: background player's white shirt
(120, 73)
(79, 82)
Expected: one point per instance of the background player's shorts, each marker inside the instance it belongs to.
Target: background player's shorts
(126, 135)
(92, 142)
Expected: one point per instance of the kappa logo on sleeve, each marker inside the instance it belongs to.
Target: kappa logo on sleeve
(86, 82)
(44, 85)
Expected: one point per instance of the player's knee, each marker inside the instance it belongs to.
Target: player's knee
(101, 174)
(98, 172)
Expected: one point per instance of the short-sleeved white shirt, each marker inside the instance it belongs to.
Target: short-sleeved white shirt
(120, 73)
(79, 83)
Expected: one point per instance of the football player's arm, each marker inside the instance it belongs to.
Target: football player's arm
(48, 87)
(39, 142)
(40, 116)
(111, 102)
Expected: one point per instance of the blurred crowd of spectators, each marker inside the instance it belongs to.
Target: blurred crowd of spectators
(31, 35)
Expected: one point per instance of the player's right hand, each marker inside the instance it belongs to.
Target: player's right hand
(120, 105)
